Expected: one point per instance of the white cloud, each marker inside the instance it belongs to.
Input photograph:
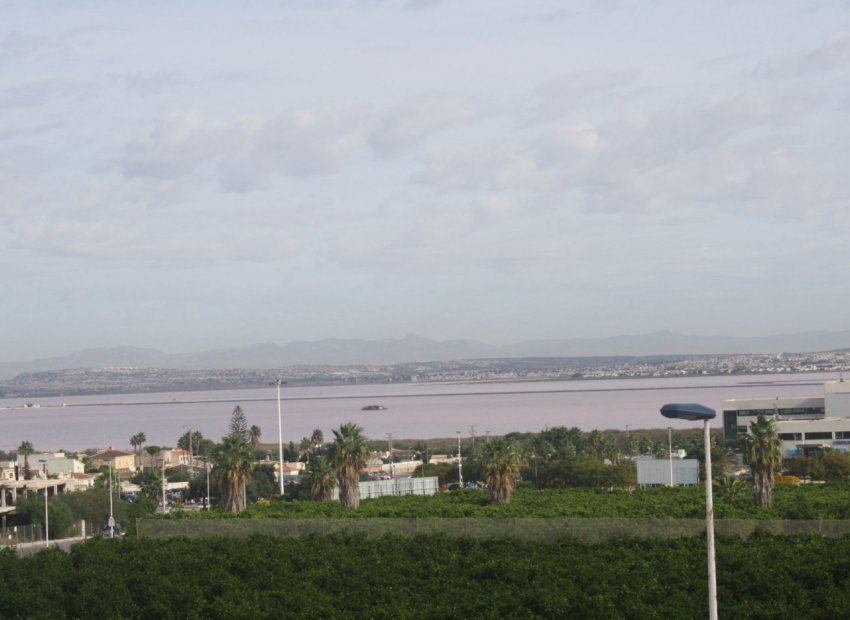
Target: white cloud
(246, 153)
(833, 55)
(409, 124)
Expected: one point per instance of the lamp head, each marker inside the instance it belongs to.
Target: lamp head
(688, 411)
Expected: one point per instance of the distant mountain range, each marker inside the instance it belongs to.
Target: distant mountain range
(417, 349)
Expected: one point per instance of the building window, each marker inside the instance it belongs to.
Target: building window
(842, 434)
(819, 435)
(791, 436)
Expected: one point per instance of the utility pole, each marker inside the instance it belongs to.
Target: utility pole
(278, 383)
(163, 483)
(390, 443)
(111, 521)
(472, 434)
(459, 463)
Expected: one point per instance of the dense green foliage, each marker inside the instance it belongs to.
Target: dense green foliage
(428, 577)
(790, 502)
(826, 466)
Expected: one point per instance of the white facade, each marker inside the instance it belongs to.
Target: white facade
(669, 472)
(51, 464)
(804, 424)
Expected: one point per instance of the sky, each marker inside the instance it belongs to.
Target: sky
(198, 175)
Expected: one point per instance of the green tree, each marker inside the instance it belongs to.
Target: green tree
(500, 465)
(763, 453)
(150, 485)
(59, 515)
(263, 483)
(348, 455)
(239, 424)
(233, 460)
(321, 478)
(197, 438)
(26, 449)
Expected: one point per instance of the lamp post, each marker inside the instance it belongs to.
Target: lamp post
(111, 521)
(670, 451)
(694, 412)
(278, 383)
(46, 520)
(459, 463)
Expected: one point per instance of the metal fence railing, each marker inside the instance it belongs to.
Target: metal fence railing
(523, 529)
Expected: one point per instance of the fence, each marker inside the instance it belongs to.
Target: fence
(524, 529)
(20, 534)
(396, 486)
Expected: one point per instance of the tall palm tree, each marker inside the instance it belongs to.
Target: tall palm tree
(763, 452)
(317, 439)
(500, 463)
(26, 449)
(348, 455)
(254, 434)
(321, 478)
(233, 460)
(137, 441)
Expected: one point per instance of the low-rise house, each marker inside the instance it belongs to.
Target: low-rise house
(7, 470)
(119, 460)
(44, 464)
(170, 457)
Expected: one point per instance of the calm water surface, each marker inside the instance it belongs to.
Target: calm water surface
(413, 410)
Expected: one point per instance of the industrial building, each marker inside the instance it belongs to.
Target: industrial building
(805, 425)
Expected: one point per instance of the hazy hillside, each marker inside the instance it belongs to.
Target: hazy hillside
(417, 349)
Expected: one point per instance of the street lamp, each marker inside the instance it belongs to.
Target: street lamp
(111, 521)
(278, 383)
(46, 522)
(670, 451)
(693, 412)
(459, 463)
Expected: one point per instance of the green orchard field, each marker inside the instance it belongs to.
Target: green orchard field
(342, 576)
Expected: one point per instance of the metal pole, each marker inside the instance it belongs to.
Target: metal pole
(46, 517)
(390, 445)
(280, 435)
(46, 521)
(207, 467)
(709, 529)
(670, 451)
(459, 463)
(111, 518)
(163, 483)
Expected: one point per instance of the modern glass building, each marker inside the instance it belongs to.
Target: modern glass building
(805, 425)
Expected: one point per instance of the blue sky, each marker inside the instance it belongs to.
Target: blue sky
(196, 175)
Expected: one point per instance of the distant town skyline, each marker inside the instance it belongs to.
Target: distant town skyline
(198, 176)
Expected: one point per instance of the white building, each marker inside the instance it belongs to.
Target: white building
(51, 463)
(805, 425)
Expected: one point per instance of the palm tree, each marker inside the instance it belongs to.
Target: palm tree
(321, 478)
(233, 460)
(348, 455)
(763, 452)
(26, 449)
(254, 434)
(317, 439)
(500, 465)
(137, 441)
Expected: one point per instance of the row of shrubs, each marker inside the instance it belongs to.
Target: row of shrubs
(345, 576)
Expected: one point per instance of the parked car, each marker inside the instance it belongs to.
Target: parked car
(117, 531)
